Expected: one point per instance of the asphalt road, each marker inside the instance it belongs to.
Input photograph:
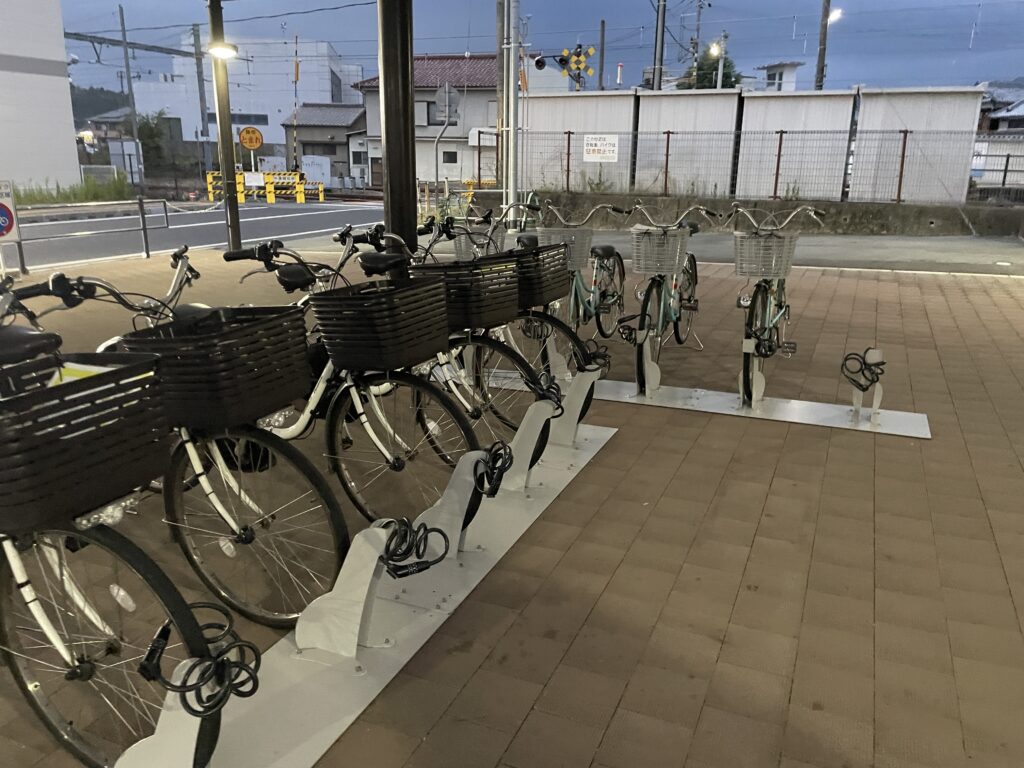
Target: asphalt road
(199, 229)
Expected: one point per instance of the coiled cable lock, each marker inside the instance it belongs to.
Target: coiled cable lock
(490, 470)
(231, 668)
(406, 541)
(546, 388)
(859, 372)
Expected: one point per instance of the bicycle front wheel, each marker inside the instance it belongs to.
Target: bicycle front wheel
(106, 599)
(611, 302)
(758, 318)
(393, 440)
(495, 385)
(292, 538)
(549, 345)
(686, 294)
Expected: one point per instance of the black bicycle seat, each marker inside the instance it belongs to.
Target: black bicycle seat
(381, 263)
(603, 251)
(19, 343)
(295, 277)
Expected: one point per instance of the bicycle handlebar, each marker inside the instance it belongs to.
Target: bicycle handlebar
(589, 216)
(707, 213)
(770, 222)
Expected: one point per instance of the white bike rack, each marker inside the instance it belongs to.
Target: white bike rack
(652, 372)
(525, 441)
(872, 356)
(758, 380)
(564, 428)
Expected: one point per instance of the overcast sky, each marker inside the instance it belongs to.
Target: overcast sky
(877, 42)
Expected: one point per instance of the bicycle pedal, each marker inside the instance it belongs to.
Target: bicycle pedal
(689, 305)
(787, 348)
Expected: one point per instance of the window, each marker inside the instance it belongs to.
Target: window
(336, 94)
(435, 115)
(360, 157)
(450, 157)
(1014, 123)
(328, 150)
(774, 81)
(241, 119)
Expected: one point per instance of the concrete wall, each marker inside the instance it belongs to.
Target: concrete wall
(990, 161)
(937, 160)
(37, 131)
(586, 111)
(813, 151)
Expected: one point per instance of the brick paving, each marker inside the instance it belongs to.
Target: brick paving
(718, 592)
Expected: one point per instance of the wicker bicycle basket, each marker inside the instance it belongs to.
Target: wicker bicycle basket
(658, 250)
(76, 432)
(230, 366)
(480, 294)
(577, 241)
(764, 255)
(478, 241)
(378, 326)
(543, 275)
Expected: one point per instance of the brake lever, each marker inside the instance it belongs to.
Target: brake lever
(247, 275)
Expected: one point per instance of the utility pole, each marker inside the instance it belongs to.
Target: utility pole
(659, 46)
(204, 115)
(225, 133)
(131, 96)
(499, 121)
(512, 89)
(600, 60)
(721, 59)
(819, 72)
(696, 41)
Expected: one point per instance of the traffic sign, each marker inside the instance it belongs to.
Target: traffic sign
(250, 138)
(447, 95)
(9, 231)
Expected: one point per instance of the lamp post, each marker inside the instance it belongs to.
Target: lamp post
(829, 16)
(222, 52)
(717, 50)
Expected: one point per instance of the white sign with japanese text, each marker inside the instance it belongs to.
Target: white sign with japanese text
(600, 148)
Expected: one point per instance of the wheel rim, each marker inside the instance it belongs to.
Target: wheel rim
(432, 442)
(286, 555)
(100, 717)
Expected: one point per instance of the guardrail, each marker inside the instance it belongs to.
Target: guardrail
(138, 205)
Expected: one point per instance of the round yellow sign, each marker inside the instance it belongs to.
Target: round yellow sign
(250, 138)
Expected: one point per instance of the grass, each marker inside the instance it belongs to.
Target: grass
(89, 191)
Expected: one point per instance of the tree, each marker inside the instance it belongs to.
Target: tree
(153, 137)
(707, 72)
(87, 102)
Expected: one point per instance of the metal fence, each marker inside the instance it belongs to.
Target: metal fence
(876, 166)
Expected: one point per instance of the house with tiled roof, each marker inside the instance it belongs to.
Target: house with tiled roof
(468, 141)
(334, 131)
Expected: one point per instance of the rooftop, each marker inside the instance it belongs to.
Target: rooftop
(325, 115)
(477, 70)
(1014, 110)
(780, 64)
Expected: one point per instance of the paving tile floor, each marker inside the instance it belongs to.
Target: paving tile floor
(719, 592)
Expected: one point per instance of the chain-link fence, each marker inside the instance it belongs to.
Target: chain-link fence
(877, 166)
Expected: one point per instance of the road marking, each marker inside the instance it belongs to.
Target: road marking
(324, 208)
(191, 247)
(266, 218)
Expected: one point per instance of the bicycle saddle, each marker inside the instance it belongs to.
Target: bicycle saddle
(381, 263)
(603, 251)
(19, 343)
(295, 277)
(527, 241)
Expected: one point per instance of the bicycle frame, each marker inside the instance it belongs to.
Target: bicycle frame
(583, 301)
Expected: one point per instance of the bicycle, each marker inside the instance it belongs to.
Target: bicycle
(81, 604)
(765, 253)
(392, 437)
(659, 250)
(254, 518)
(604, 301)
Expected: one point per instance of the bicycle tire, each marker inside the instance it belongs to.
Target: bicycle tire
(573, 342)
(686, 292)
(15, 619)
(496, 419)
(754, 322)
(612, 296)
(318, 567)
(396, 500)
(645, 324)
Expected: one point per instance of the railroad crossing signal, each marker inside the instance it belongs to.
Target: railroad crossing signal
(574, 62)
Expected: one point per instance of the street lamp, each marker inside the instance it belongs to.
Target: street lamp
(222, 50)
(717, 51)
(835, 15)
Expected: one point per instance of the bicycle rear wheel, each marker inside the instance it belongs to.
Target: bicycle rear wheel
(423, 435)
(293, 537)
(650, 326)
(611, 302)
(549, 345)
(687, 293)
(106, 599)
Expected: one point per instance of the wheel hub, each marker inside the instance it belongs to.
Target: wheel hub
(397, 464)
(246, 535)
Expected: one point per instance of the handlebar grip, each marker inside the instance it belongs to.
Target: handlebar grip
(240, 254)
(341, 236)
(819, 213)
(532, 207)
(179, 253)
(32, 291)
(625, 211)
(363, 239)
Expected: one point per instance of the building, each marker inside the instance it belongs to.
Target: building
(38, 129)
(1008, 118)
(780, 76)
(325, 130)
(468, 142)
(262, 86)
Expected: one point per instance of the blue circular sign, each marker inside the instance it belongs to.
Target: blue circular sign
(6, 220)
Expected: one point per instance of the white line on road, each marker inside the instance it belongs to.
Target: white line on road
(266, 218)
(323, 209)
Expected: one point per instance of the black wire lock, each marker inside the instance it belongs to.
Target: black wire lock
(546, 388)
(406, 541)
(231, 668)
(598, 358)
(859, 372)
(490, 470)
